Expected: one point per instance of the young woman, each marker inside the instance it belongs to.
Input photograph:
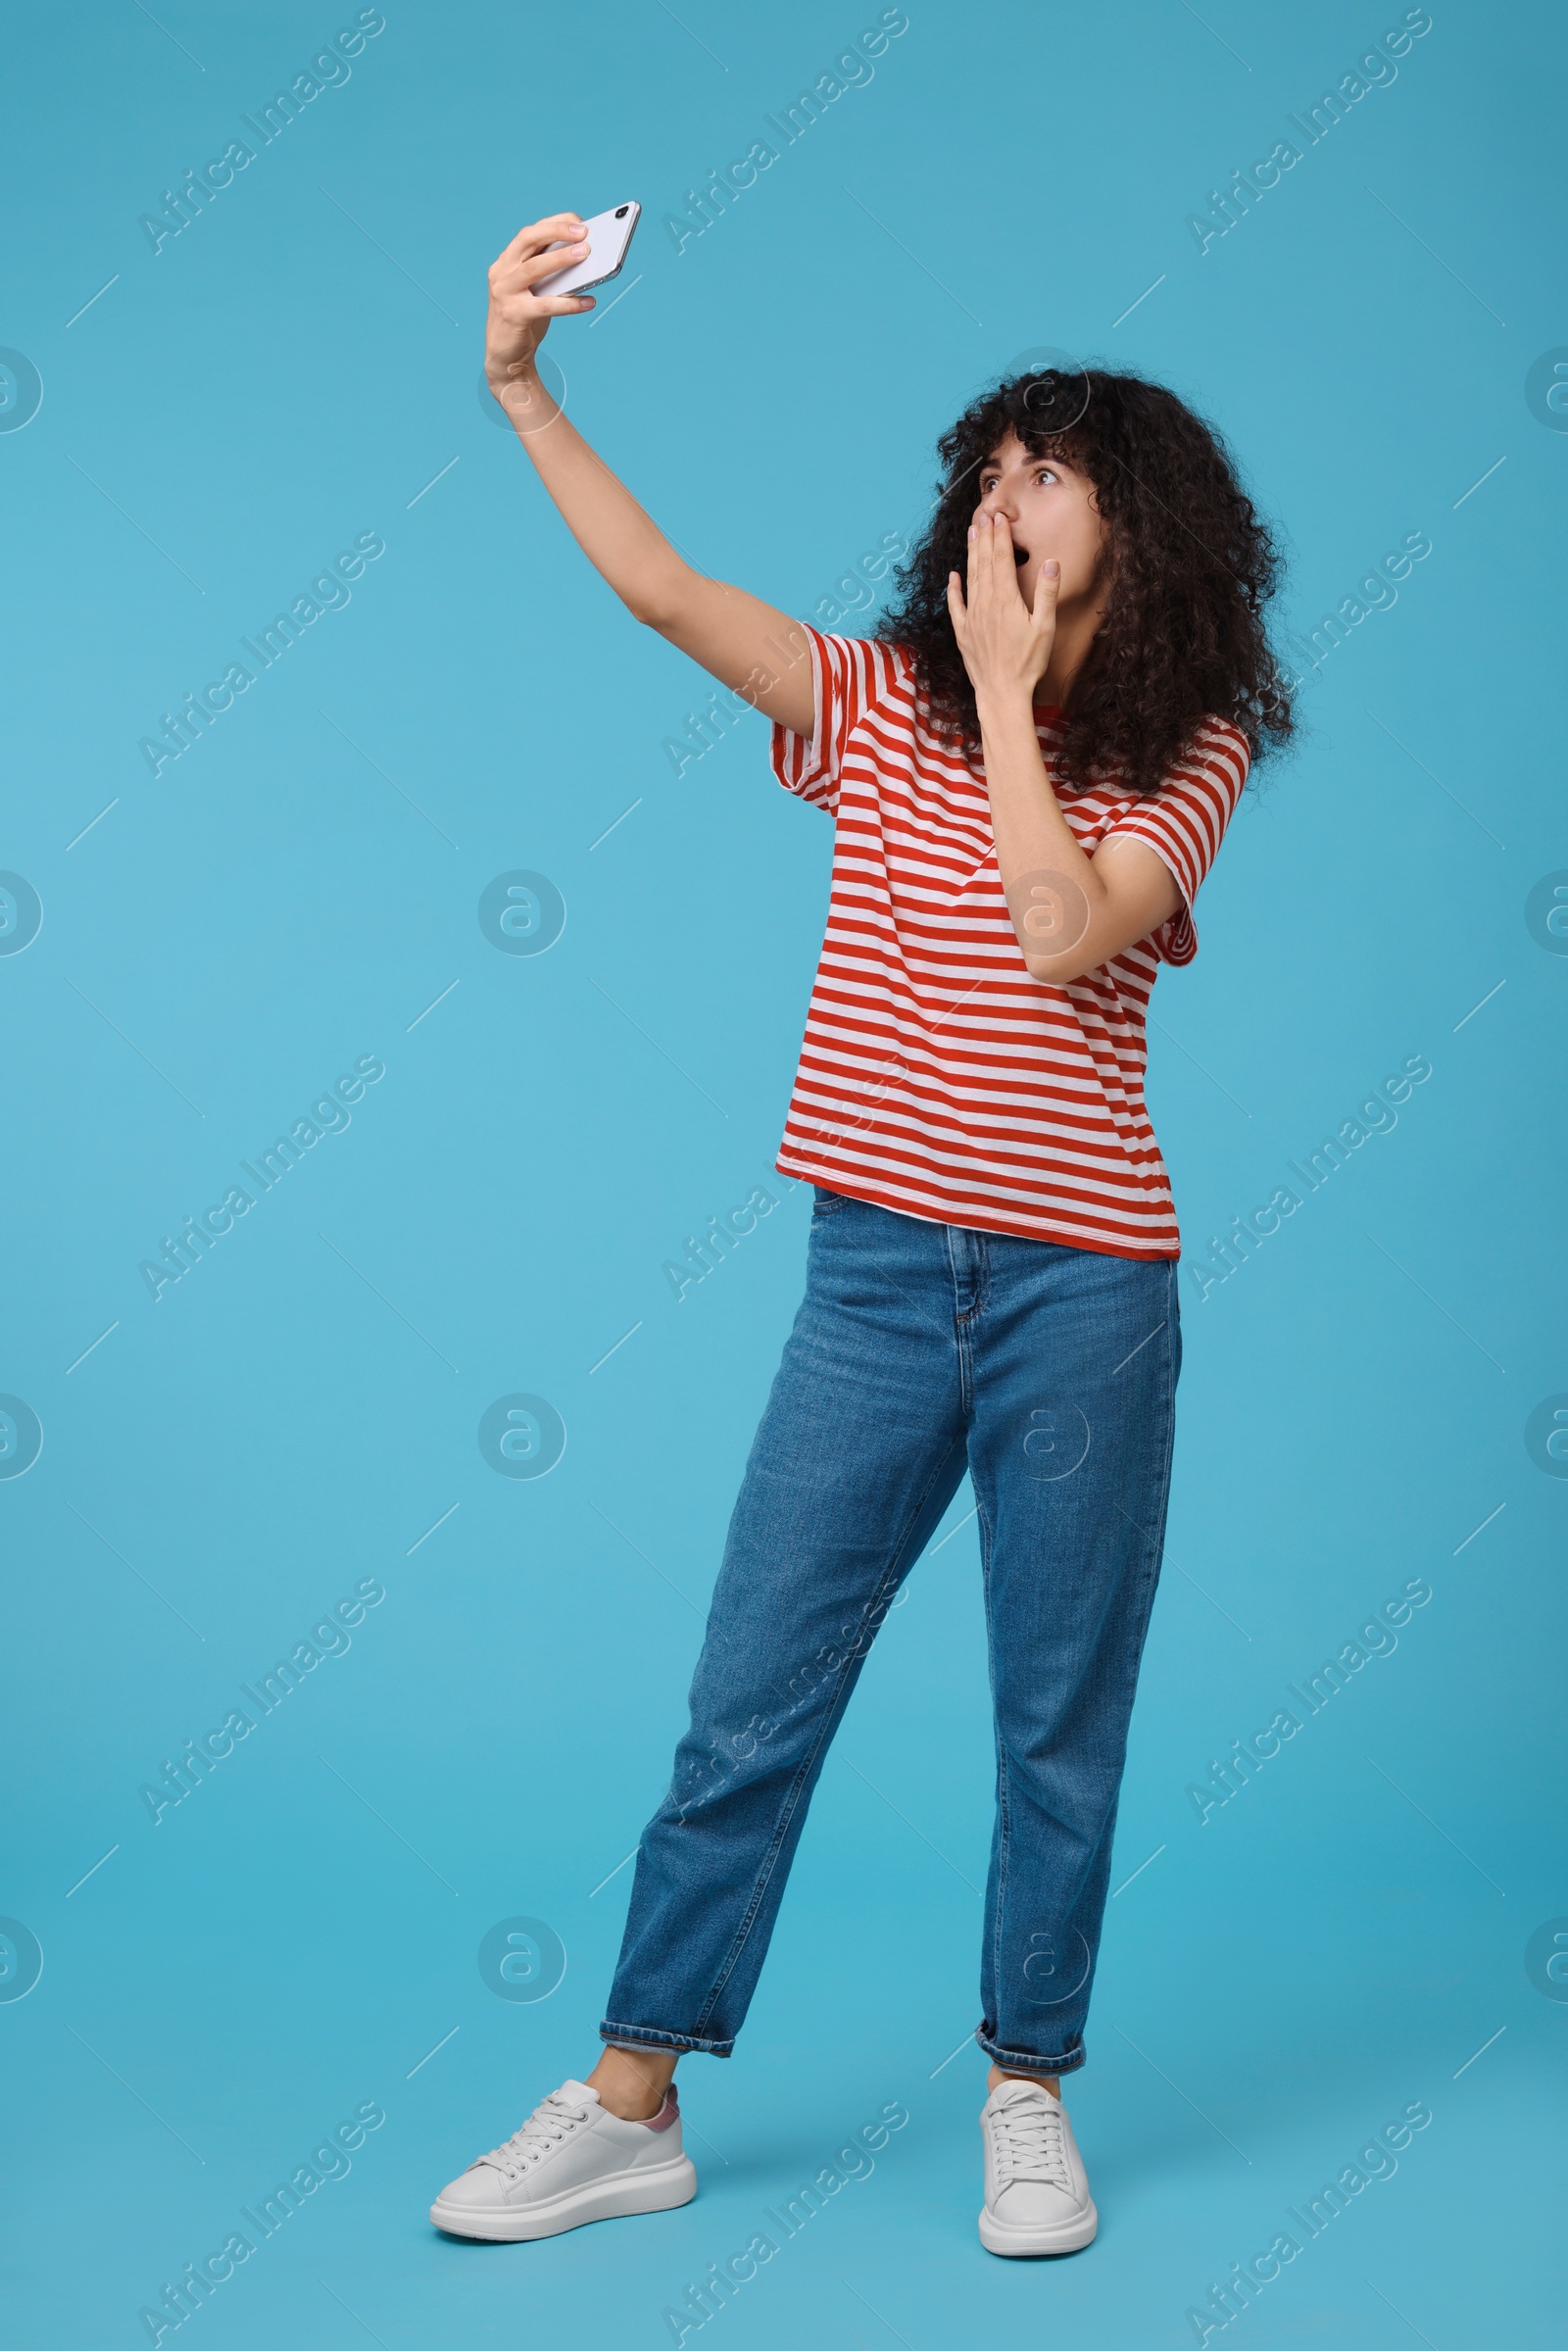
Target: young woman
(1030, 767)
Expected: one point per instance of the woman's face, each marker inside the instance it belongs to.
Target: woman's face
(1051, 510)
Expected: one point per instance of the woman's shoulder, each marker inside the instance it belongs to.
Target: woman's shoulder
(1216, 756)
(1204, 779)
(892, 663)
(878, 676)
(1215, 738)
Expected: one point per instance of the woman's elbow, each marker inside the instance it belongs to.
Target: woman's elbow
(1056, 972)
(669, 599)
(653, 610)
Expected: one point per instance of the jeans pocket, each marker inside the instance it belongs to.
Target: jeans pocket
(826, 1202)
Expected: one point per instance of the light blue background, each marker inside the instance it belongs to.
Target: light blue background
(292, 1417)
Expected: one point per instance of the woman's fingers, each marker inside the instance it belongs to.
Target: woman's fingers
(978, 575)
(536, 252)
(539, 233)
(1002, 566)
(994, 569)
(544, 263)
(1048, 586)
(984, 559)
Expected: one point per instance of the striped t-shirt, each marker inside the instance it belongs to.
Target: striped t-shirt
(937, 1077)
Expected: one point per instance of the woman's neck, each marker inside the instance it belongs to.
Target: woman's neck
(1070, 653)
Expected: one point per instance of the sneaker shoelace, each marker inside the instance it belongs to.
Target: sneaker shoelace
(549, 2123)
(1030, 2143)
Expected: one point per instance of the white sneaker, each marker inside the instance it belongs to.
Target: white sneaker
(572, 2161)
(1036, 2192)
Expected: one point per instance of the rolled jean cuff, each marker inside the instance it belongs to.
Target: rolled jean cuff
(1025, 2061)
(650, 2036)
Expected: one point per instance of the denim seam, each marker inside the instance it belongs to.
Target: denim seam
(1017, 2062)
(652, 2037)
(1156, 1536)
(830, 1720)
(982, 1280)
(1003, 1811)
(962, 1324)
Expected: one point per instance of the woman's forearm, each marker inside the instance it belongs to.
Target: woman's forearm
(749, 646)
(1052, 889)
(1025, 814)
(1071, 911)
(622, 542)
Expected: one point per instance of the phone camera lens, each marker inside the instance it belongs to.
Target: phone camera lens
(623, 211)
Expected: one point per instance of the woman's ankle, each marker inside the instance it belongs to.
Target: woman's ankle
(632, 2082)
(998, 2073)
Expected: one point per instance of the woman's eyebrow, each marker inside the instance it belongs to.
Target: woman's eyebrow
(992, 465)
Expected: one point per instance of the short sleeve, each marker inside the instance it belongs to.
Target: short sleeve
(1184, 822)
(847, 676)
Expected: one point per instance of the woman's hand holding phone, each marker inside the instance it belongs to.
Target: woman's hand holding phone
(518, 317)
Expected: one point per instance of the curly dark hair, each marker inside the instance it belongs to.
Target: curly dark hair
(1193, 568)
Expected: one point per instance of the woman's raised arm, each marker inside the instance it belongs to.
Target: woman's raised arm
(749, 646)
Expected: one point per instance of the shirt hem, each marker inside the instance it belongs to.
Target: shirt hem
(832, 1180)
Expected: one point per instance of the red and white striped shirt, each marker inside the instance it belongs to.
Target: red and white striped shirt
(937, 1077)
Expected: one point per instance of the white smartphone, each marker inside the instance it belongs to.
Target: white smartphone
(608, 236)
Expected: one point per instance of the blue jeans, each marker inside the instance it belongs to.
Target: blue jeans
(922, 1350)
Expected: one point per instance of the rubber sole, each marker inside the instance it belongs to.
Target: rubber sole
(660, 2187)
(1068, 2236)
